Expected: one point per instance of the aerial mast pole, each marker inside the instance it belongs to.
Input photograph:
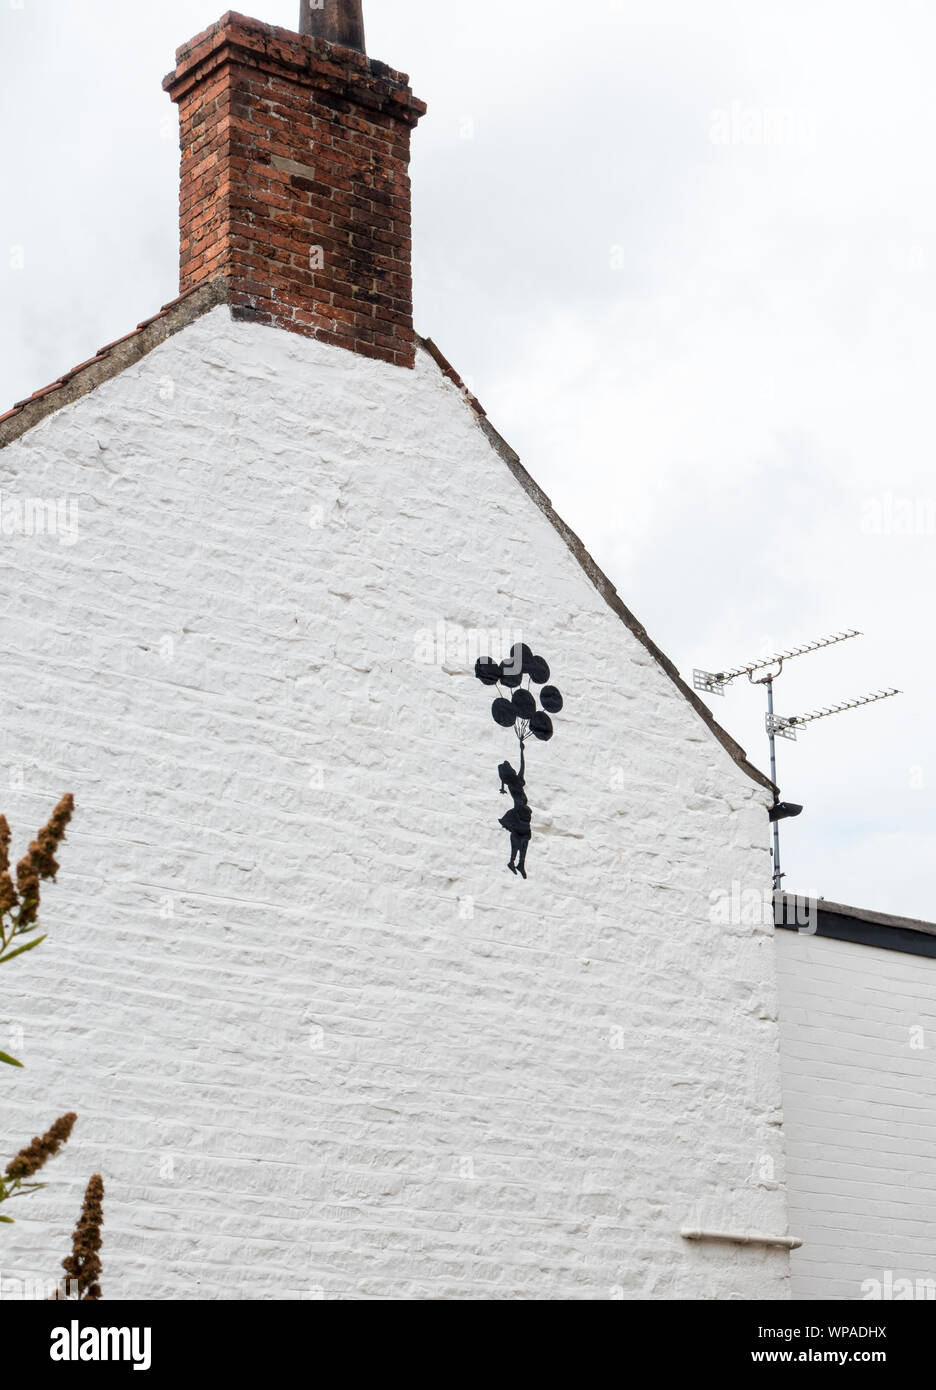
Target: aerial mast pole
(771, 737)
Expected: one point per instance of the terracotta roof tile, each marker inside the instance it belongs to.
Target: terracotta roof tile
(108, 347)
(73, 371)
(152, 319)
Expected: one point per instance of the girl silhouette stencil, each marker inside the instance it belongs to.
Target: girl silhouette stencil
(519, 713)
(518, 820)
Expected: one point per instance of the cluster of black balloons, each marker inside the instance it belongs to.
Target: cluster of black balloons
(521, 707)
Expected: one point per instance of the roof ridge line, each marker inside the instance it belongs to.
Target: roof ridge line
(591, 567)
(111, 359)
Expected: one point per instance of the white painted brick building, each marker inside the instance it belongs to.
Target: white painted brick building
(320, 1041)
(858, 1031)
(317, 1036)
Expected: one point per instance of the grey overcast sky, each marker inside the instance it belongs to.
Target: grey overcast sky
(682, 250)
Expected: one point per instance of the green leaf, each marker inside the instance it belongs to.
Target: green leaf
(10, 1061)
(30, 945)
(8, 1220)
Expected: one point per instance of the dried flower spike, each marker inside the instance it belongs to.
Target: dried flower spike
(39, 862)
(83, 1265)
(8, 897)
(29, 1160)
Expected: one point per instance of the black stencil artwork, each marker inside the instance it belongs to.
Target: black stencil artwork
(519, 712)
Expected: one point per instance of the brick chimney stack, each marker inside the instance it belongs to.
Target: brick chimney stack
(295, 184)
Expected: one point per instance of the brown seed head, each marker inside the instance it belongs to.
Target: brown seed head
(29, 1160)
(8, 898)
(4, 844)
(40, 862)
(84, 1263)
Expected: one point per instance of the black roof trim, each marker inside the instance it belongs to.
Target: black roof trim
(862, 926)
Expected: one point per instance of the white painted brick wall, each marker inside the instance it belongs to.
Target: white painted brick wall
(858, 1044)
(360, 1059)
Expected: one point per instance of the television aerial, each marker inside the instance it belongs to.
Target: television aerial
(783, 726)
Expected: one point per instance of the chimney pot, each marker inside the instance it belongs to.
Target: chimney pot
(338, 21)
